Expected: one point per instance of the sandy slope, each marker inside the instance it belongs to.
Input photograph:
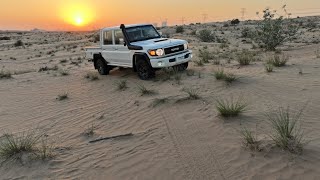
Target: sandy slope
(184, 140)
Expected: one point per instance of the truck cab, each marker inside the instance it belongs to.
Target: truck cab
(140, 47)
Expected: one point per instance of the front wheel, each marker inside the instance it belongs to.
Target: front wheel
(181, 67)
(102, 67)
(144, 70)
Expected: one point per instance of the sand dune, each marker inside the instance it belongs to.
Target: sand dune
(175, 140)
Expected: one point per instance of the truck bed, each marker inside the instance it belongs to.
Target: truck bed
(90, 50)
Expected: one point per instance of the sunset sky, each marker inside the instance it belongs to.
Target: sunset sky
(92, 14)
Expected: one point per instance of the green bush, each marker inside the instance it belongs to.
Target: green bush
(179, 29)
(287, 133)
(206, 35)
(272, 32)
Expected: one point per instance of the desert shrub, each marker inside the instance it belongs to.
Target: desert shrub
(199, 63)
(235, 22)
(121, 85)
(193, 94)
(223, 45)
(229, 78)
(206, 35)
(317, 53)
(64, 72)
(286, 131)
(18, 43)
(216, 61)
(92, 76)
(245, 57)
(5, 38)
(190, 72)
(144, 91)
(62, 96)
(246, 33)
(89, 131)
(193, 33)
(179, 29)
(219, 74)
(249, 140)
(5, 74)
(158, 101)
(12, 145)
(272, 32)
(230, 108)
(268, 67)
(204, 55)
(96, 38)
(278, 60)
(46, 68)
(63, 61)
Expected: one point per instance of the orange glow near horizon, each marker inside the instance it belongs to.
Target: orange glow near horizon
(83, 15)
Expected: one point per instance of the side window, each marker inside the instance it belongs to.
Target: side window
(107, 38)
(118, 37)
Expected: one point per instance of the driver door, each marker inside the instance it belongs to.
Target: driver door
(121, 52)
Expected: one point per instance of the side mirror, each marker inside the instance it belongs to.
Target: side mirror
(121, 41)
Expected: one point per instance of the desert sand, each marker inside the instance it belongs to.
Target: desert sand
(175, 140)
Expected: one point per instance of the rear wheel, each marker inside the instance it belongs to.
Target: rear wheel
(144, 70)
(102, 67)
(181, 67)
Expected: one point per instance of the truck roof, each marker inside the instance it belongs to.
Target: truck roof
(127, 26)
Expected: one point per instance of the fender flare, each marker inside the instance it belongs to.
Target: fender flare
(139, 55)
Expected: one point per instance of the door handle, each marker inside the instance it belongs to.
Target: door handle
(116, 49)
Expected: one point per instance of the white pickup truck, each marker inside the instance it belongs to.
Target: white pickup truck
(140, 47)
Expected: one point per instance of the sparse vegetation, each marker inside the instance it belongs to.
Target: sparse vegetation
(268, 67)
(219, 74)
(190, 72)
(158, 101)
(64, 72)
(62, 96)
(230, 108)
(317, 53)
(286, 131)
(46, 68)
(92, 76)
(193, 94)
(14, 146)
(204, 55)
(179, 29)
(229, 77)
(249, 140)
(272, 31)
(5, 74)
(121, 85)
(206, 35)
(144, 91)
(245, 58)
(277, 60)
(18, 43)
(89, 131)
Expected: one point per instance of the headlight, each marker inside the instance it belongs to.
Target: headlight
(157, 52)
(186, 46)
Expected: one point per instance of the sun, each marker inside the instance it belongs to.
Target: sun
(78, 21)
(77, 14)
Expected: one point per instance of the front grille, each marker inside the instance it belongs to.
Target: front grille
(173, 49)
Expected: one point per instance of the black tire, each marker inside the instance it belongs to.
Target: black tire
(181, 67)
(102, 67)
(144, 70)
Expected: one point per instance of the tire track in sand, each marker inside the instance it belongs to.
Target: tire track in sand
(199, 159)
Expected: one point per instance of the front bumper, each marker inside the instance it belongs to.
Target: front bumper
(168, 61)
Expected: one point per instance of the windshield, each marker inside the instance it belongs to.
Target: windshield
(142, 33)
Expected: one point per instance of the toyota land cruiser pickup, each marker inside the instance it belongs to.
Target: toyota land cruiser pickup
(140, 47)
